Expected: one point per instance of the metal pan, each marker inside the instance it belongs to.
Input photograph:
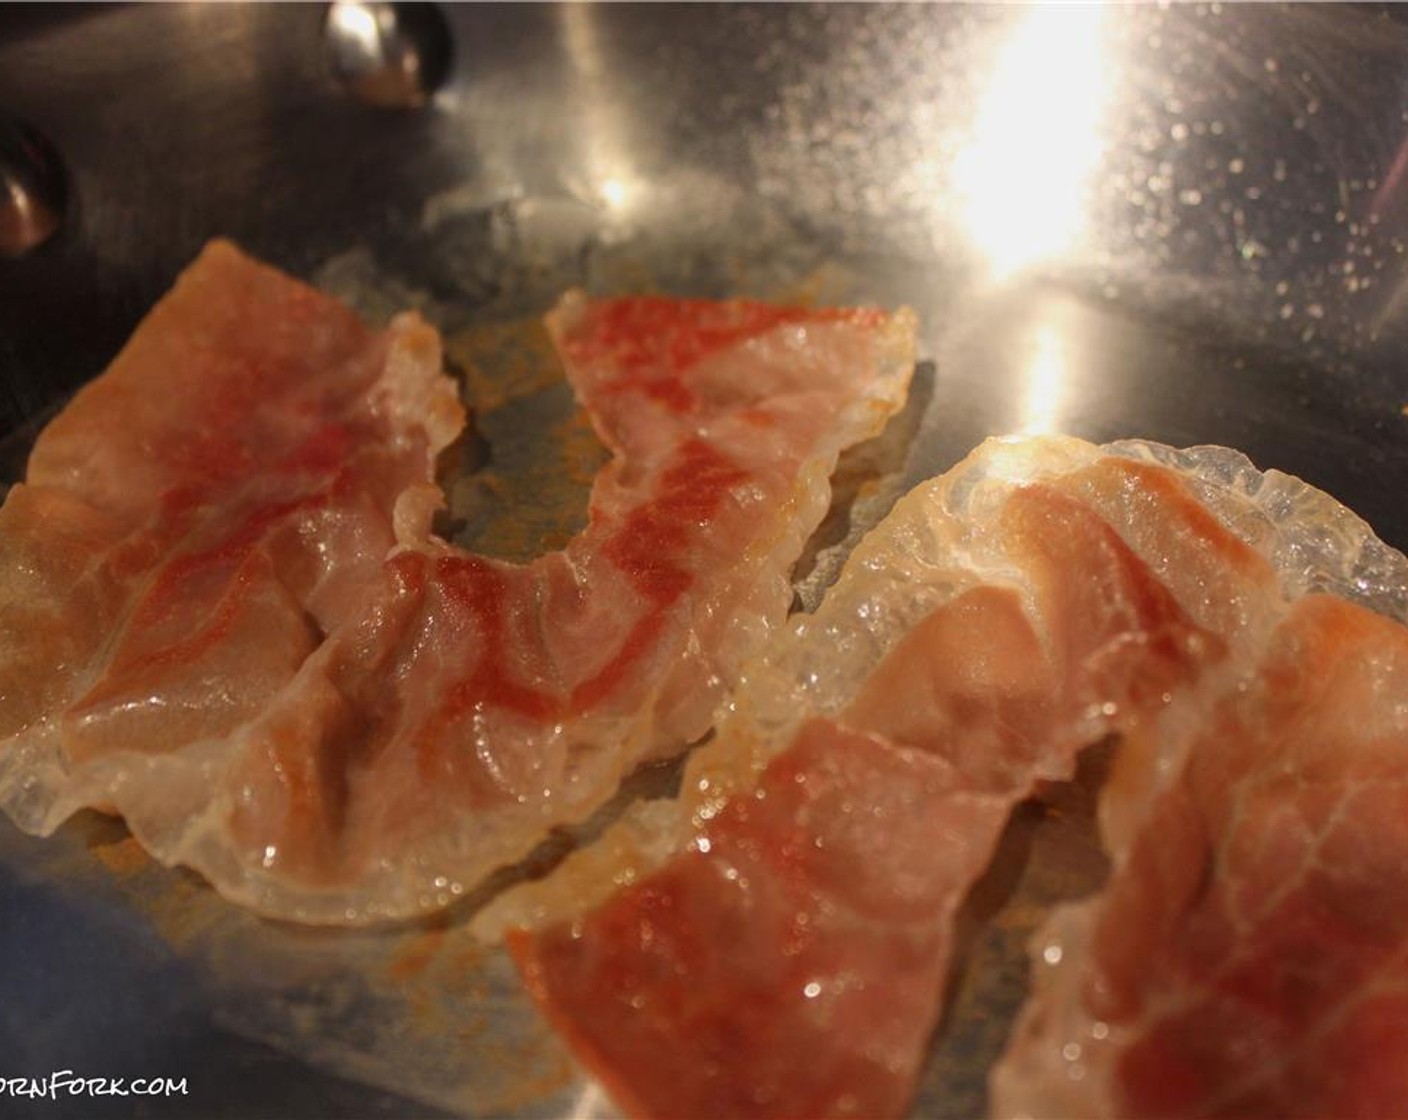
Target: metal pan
(1182, 223)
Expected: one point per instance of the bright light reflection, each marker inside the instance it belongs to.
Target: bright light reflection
(1046, 379)
(615, 192)
(1022, 181)
(605, 130)
(591, 1104)
(357, 27)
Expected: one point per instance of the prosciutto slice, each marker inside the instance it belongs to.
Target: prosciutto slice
(294, 687)
(1247, 957)
(192, 524)
(776, 944)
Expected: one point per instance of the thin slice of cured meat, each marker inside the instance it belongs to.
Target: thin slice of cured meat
(352, 725)
(1249, 955)
(476, 704)
(776, 942)
(192, 523)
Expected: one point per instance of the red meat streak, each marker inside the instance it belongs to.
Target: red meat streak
(320, 454)
(648, 336)
(650, 548)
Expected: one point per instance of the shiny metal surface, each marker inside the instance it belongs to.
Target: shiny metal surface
(32, 189)
(392, 55)
(1182, 223)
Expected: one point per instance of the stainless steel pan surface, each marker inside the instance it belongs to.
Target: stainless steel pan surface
(1184, 223)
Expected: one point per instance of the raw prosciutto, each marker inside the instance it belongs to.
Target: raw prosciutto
(191, 525)
(776, 943)
(1247, 957)
(226, 618)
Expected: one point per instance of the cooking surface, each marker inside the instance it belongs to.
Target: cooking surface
(1186, 225)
